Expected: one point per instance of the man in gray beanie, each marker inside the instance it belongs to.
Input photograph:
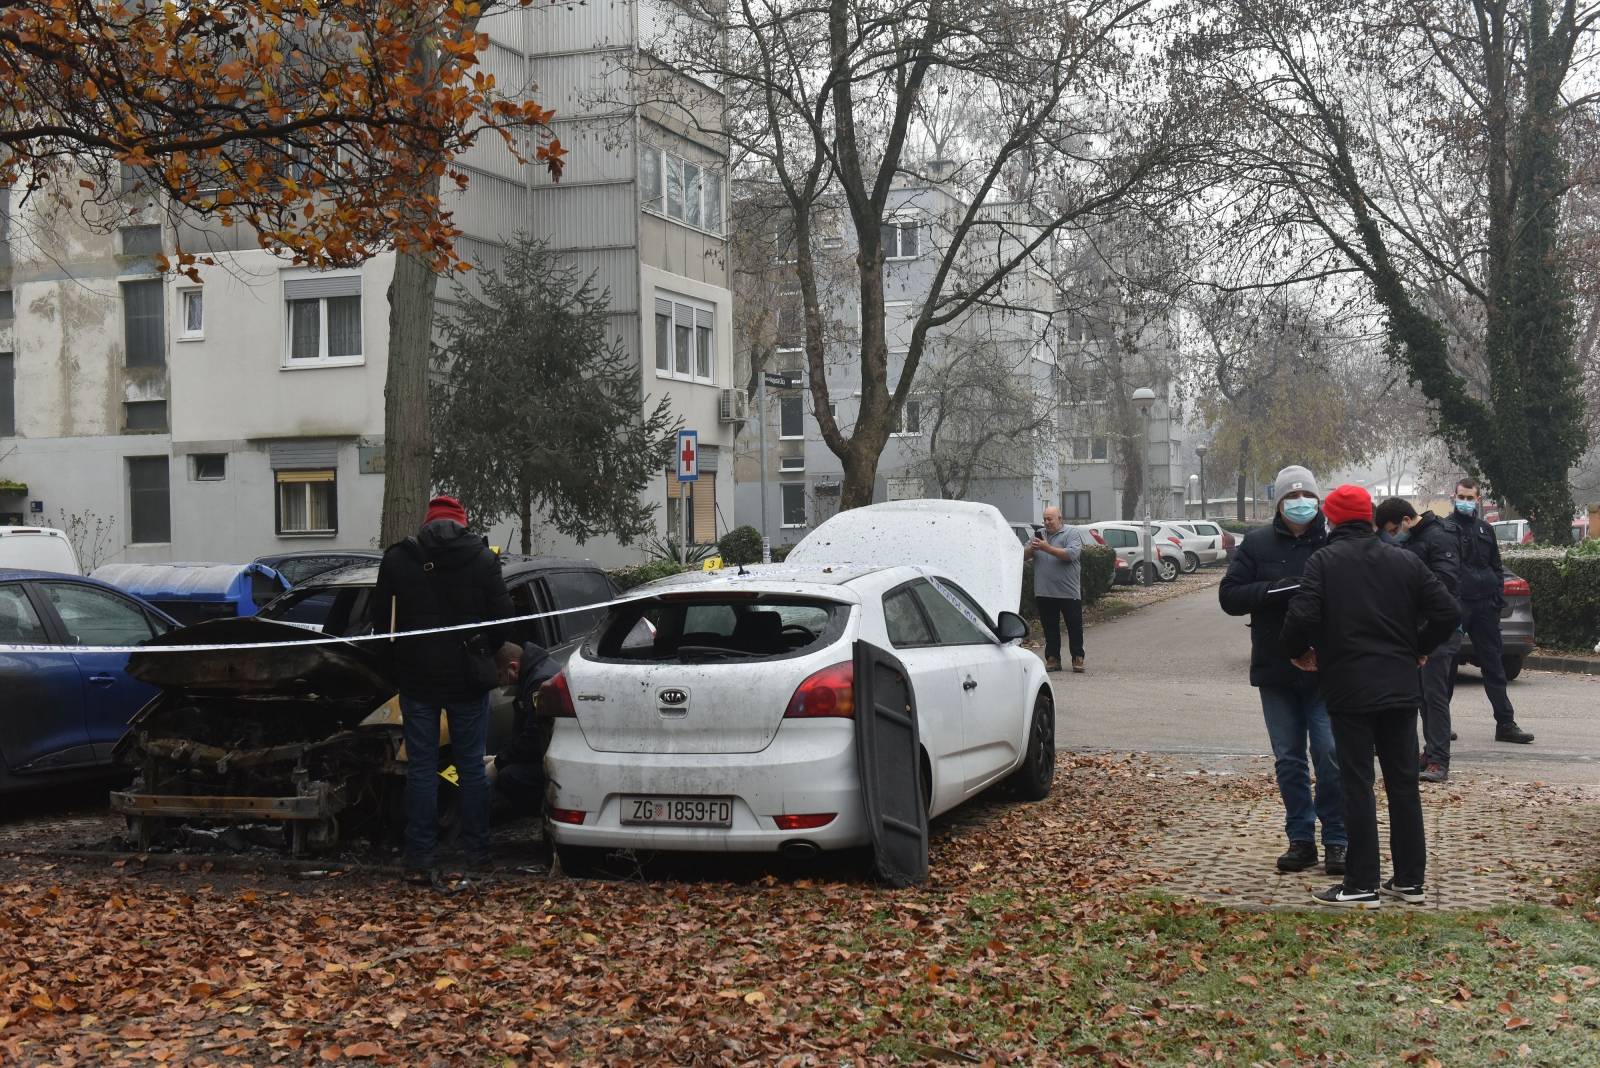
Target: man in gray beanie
(1263, 577)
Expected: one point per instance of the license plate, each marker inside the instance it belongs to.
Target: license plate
(678, 811)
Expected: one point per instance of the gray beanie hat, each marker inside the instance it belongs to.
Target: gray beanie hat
(1294, 478)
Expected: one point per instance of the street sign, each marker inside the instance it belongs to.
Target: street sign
(776, 379)
(688, 455)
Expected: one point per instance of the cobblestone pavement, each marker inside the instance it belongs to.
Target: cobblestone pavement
(1490, 842)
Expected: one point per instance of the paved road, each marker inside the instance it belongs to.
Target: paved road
(1174, 678)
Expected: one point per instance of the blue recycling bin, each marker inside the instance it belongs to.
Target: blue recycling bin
(194, 593)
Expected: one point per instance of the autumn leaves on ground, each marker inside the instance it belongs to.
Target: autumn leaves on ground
(1037, 939)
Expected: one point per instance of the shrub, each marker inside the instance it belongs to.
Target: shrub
(780, 553)
(1566, 595)
(1098, 566)
(627, 578)
(741, 545)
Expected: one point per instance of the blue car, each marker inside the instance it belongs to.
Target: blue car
(61, 714)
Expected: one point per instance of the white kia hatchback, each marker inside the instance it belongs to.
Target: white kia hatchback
(765, 709)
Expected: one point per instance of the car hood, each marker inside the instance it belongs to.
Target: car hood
(970, 543)
(338, 670)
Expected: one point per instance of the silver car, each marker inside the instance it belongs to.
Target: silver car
(1127, 540)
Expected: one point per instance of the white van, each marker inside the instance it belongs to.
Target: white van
(38, 549)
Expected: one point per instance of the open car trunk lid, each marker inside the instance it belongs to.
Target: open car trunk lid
(971, 543)
(341, 673)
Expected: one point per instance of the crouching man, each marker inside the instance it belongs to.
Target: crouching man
(1365, 619)
(518, 768)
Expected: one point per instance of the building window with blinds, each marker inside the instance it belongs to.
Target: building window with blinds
(701, 496)
(323, 320)
(685, 347)
(307, 502)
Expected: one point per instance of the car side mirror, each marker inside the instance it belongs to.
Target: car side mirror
(1011, 627)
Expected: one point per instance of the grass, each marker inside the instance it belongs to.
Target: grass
(1154, 981)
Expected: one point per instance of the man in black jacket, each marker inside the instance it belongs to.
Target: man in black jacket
(518, 768)
(443, 577)
(1263, 576)
(1483, 594)
(1364, 621)
(1433, 542)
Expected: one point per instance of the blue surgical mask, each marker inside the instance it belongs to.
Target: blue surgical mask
(1300, 509)
(1386, 537)
(1468, 508)
(1402, 536)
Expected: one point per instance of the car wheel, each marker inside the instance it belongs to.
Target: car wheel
(1512, 665)
(1167, 569)
(1032, 780)
(1191, 563)
(1141, 573)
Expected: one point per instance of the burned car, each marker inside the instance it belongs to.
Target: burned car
(309, 738)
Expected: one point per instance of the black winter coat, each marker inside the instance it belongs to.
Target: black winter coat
(1371, 611)
(1482, 575)
(1436, 543)
(440, 578)
(1272, 556)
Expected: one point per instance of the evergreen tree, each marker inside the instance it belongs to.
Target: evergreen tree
(539, 411)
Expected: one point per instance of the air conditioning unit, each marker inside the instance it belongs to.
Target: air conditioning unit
(734, 406)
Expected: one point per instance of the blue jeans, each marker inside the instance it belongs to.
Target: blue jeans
(469, 733)
(1297, 714)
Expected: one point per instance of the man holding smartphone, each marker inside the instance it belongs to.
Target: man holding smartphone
(1058, 587)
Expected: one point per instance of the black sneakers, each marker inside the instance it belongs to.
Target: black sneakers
(1411, 895)
(1333, 859)
(1301, 855)
(1336, 896)
(1510, 732)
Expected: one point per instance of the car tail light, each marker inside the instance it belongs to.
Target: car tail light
(567, 815)
(805, 822)
(831, 692)
(1517, 587)
(1121, 563)
(1176, 542)
(555, 698)
(1096, 535)
(1227, 540)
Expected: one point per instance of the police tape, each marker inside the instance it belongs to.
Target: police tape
(383, 636)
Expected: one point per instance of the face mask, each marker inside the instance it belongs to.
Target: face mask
(1402, 536)
(1385, 536)
(1467, 507)
(1300, 509)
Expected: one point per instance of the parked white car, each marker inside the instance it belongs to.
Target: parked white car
(1202, 540)
(38, 549)
(768, 710)
(1127, 540)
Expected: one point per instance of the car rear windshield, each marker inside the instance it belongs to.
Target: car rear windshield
(701, 629)
(339, 610)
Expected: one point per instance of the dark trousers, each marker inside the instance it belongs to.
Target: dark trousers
(1391, 735)
(1481, 619)
(1437, 674)
(1051, 611)
(469, 732)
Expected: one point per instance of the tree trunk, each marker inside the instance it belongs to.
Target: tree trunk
(1244, 463)
(407, 430)
(525, 514)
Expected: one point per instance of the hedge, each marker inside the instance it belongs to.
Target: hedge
(1099, 571)
(1566, 595)
(627, 578)
(741, 545)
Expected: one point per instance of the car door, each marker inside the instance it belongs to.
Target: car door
(41, 718)
(1213, 543)
(991, 680)
(90, 617)
(937, 685)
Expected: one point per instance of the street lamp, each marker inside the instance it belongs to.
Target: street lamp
(1144, 398)
(1194, 480)
(1200, 451)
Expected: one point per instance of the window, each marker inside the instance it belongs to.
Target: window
(904, 621)
(1118, 538)
(791, 321)
(791, 417)
(949, 616)
(794, 503)
(19, 623)
(791, 463)
(908, 423)
(307, 502)
(8, 304)
(324, 319)
(191, 313)
(1075, 504)
(149, 500)
(701, 522)
(209, 466)
(97, 617)
(144, 417)
(132, 179)
(140, 240)
(899, 240)
(1099, 448)
(685, 347)
(8, 394)
(680, 189)
(573, 589)
(144, 337)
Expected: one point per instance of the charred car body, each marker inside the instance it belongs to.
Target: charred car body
(308, 734)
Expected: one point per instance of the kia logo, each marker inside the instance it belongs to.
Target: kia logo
(673, 697)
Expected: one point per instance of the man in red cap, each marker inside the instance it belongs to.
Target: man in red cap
(443, 577)
(1365, 619)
